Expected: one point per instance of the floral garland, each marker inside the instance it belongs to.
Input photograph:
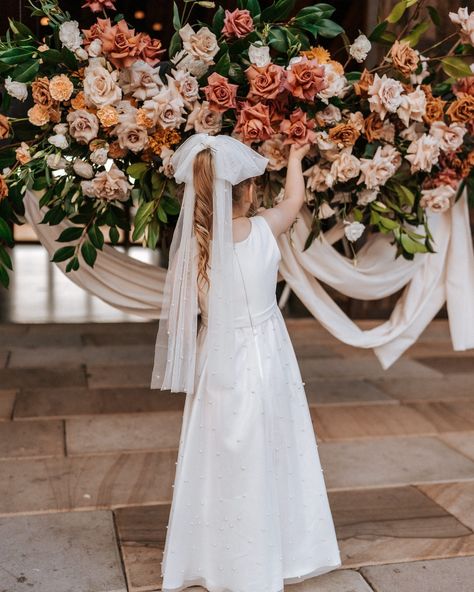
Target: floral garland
(106, 112)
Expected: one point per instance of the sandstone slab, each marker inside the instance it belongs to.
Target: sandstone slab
(36, 439)
(344, 392)
(19, 378)
(106, 376)
(7, 400)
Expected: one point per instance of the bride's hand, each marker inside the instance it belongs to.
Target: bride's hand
(299, 151)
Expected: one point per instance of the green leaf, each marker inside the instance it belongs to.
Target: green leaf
(253, 7)
(176, 17)
(20, 29)
(137, 170)
(53, 56)
(142, 218)
(69, 58)
(153, 234)
(175, 45)
(5, 231)
(223, 65)
(411, 246)
(414, 36)
(397, 12)
(63, 253)
(25, 72)
(456, 67)
(5, 258)
(277, 39)
(171, 206)
(89, 252)
(406, 195)
(388, 223)
(70, 234)
(378, 31)
(434, 15)
(316, 12)
(162, 214)
(4, 277)
(280, 10)
(218, 21)
(73, 265)
(96, 236)
(114, 235)
(329, 29)
(17, 55)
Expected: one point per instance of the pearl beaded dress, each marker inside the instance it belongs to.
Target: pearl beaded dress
(250, 511)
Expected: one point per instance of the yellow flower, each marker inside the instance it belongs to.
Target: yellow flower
(318, 53)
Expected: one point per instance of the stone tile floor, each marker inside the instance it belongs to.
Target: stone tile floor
(87, 460)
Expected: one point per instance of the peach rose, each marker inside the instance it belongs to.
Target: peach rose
(266, 82)
(165, 109)
(464, 86)
(149, 49)
(61, 88)
(319, 178)
(461, 110)
(404, 57)
(298, 129)
(237, 23)
(450, 137)
(305, 78)
(423, 153)
(96, 31)
(83, 126)
(5, 129)
(385, 95)
(376, 171)
(437, 199)
(39, 115)
(119, 43)
(345, 167)
(22, 153)
(220, 93)
(253, 122)
(187, 86)
(140, 80)
(40, 92)
(202, 45)
(412, 106)
(109, 185)
(204, 120)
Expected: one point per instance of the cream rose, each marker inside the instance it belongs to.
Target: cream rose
(366, 196)
(100, 155)
(109, 185)
(131, 136)
(276, 151)
(186, 85)
(201, 45)
(376, 171)
(59, 141)
(450, 137)
(412, 107)
(56, 161)
(83, 126)
(423, 153)
(165, 109)
(204, 120)
(83, 169)
(385, 95)
(186, 62)
(167, 167)
(336, 84)
(100, 86)
(140, 80)
(345, 167)
(325, 211)
(319, 178)
(437, 199)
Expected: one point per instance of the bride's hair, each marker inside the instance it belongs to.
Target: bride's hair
(203, 177)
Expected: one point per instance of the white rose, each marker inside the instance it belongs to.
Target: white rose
(188, 63)
(17, 90)
(140, 80)
(385, 95)
(366, 196)
(70, 35)
(100, 86)
(466, 21)
(423, 153)
(353, 230)
(345, 167)
(56, 161)
(61, 128)
(412, 106)
(418, 78)
(450, 137)
(360, 48)
(81, 54)
(59, 141)
(95, 48)
(83, 169)
(99, 156)
(336, 84)
(259, 55)
(437, 199)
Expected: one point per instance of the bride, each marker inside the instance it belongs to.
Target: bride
(250, 511)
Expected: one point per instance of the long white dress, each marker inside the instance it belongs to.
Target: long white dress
(250, 511)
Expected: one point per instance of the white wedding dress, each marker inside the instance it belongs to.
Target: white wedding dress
(250, 511)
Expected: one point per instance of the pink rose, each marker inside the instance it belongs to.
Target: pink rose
(267, 82)
(220, 93)
(254, 122)
(237, 23)
(305, 79)
(297, 129)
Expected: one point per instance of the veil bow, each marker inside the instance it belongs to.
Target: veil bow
(175, 350)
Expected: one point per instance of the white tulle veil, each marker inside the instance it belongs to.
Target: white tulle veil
(175, 350)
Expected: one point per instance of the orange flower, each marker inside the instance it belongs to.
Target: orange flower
(115, 150)
(266, 82)
(22, 153)
(220, 93)
(461, 110)
(143, 120)
(254, 122)
(404, 57)
(40, 92)
(79, 101)
(163, 138)
(60, 88)
(3, 188)
(4, 127)
(338, 67)
(305, 79)
(108, 116)
(39, 115)
(434, 110)
(344, 135)
(373, 127)
(320, 54)
(298, 129)
(362, 86)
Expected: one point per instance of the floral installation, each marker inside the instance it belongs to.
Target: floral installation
(107, 106)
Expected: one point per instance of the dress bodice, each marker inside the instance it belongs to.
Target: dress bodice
(256, 261)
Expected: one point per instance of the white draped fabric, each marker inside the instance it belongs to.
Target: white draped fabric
(430, 280)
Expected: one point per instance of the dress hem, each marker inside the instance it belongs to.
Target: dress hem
(211, 587)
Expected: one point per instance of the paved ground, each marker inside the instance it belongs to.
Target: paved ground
(87, 458)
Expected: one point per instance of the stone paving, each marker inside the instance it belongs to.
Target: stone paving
(88, 451)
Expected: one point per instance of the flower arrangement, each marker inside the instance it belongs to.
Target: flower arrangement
(108, 108)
